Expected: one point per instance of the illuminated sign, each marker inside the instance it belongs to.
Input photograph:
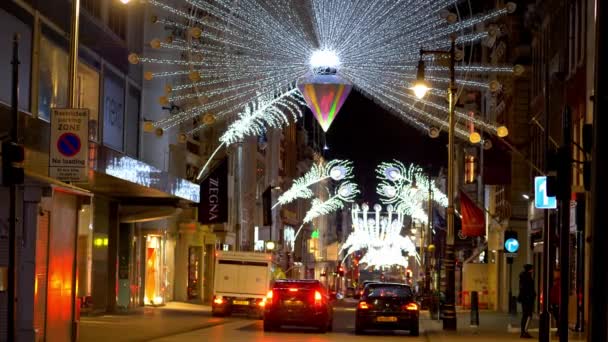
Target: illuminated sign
(541, 200)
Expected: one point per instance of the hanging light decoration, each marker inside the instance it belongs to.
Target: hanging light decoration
(224, 57)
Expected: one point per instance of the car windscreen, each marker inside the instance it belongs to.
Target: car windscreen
(379, 290)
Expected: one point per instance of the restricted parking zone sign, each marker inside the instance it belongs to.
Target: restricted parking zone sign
(69, 147)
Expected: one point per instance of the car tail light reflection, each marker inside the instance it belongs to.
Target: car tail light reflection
(218, 300)
(364, 305)
(293, 290)
(411, 307)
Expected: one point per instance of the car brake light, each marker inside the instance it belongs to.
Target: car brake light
(218, 300)
(262, 303)
(363, 305)
(318, 297)
(411, 307)
(293, 290)
(269, 294)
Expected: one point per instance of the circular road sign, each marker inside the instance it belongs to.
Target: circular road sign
(68, 144)
(512, 245)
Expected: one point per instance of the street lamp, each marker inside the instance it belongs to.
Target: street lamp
(420, 88)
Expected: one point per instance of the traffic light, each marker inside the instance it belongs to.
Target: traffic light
(13, 155)
(340, 270)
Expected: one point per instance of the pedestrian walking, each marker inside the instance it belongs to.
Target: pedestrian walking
(526, 297)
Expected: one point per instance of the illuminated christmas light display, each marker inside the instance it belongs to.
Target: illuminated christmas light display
(325, 95)
(336, 169)
(256, 119)
(379, 234)
(346, 193)
(222, 56)
(406, 188)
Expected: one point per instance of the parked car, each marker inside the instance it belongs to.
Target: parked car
(298, 303)
(387, 306)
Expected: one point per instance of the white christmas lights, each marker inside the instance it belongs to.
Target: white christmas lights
(346, 193)
(229, 54)
(379, 235)
(406, 188)
(336, 169)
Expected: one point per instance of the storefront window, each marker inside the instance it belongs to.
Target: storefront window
(153, 294)
(87, 96)
(53, 85)
(194, 264)
(8, 26)
(114, 110)
(53, 78)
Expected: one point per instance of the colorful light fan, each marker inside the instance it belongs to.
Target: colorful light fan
(325, 95)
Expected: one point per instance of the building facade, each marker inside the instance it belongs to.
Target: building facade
(106, 244)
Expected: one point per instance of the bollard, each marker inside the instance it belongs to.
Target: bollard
(474, 309)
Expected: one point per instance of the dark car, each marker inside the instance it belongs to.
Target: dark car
(361, 287)
(387, 306)
(298, 303)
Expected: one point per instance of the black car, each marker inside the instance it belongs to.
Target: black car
(298, 303)
(361, 287)
(387, 306)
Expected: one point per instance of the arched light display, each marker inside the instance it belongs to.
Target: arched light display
(222, 57)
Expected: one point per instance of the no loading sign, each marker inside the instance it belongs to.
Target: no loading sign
(68, 159)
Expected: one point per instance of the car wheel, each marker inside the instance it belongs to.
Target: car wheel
(358, 329)
(415, 330)
(323, 328)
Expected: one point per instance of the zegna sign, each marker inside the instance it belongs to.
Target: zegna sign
(213, 206)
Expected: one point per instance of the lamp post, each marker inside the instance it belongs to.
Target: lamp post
(420, 88)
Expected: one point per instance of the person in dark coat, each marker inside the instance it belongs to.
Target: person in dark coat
(526, 297)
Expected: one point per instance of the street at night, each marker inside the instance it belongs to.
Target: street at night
(187, 322)
(303, 170)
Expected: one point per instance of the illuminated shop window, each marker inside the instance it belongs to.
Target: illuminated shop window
(154, 271)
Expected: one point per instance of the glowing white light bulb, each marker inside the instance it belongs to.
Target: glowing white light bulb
(420, 89)
(324, 59)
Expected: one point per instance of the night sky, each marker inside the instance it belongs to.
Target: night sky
(368, 134)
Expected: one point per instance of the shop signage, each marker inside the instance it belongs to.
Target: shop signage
(213, 206)
(69, 147)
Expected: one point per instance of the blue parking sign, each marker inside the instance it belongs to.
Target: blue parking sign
(541, 200)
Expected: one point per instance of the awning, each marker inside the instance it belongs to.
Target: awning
(146, 214)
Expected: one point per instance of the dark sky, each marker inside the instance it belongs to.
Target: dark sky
(367, 134)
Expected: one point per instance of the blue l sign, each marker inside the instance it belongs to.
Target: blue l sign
(541, 200)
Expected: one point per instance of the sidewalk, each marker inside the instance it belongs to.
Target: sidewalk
(147, 323)
(493, 327)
